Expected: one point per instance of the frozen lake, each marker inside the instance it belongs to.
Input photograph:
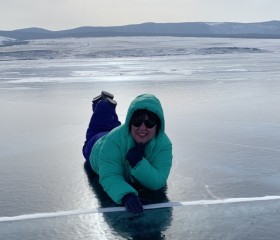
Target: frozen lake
(221, 101)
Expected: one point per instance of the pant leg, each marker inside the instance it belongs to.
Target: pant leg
(103, 120)
(89, 144)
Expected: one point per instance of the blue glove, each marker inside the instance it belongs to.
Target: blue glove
(136, 154)
(132, 203)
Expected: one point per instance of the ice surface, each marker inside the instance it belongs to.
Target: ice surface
(222, 115)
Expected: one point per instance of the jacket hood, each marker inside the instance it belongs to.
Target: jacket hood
(148, 102)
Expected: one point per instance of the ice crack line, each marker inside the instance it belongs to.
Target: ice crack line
(150, 206)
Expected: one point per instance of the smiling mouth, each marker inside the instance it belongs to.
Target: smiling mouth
(142, 134)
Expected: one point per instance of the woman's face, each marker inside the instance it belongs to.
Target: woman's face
(143, 134)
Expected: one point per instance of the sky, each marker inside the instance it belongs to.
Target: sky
(68, 14)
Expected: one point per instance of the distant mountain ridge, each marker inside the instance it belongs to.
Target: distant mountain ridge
(270, 29)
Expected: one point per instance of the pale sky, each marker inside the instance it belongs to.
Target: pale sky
(68, 14)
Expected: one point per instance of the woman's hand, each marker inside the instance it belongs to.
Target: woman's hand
(132, 203)
(136, 154)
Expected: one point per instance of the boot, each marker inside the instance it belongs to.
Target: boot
(104, 95)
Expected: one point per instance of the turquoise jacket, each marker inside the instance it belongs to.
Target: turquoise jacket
(108, 155)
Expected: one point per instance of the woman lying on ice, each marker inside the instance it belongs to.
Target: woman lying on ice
(136, 152)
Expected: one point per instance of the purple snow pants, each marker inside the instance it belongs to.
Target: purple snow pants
(103, 120)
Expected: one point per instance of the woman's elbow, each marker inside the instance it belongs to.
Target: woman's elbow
(156, 185)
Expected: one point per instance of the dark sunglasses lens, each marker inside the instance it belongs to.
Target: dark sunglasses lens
(136, 122)
(150, 123)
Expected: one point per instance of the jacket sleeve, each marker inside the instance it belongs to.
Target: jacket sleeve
(111, 170)
(153, 173)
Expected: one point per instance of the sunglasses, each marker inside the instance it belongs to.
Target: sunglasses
(149, 123)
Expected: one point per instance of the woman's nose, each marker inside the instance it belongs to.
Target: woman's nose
(142, 126)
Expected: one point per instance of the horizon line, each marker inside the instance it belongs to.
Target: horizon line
(131, 24)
